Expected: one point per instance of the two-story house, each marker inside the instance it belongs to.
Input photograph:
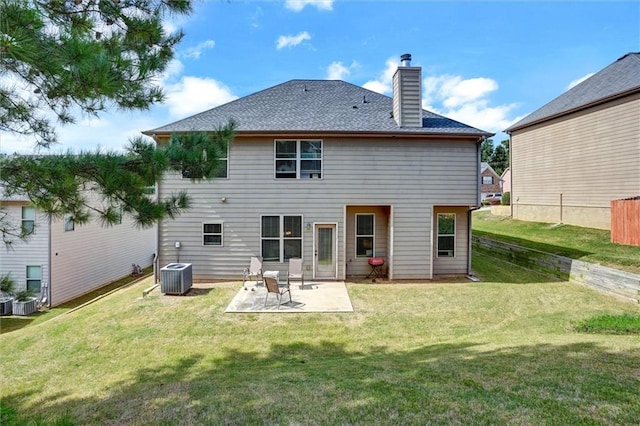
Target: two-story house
(332, 173)
(65, 259)
(491, 181)
(575, 155)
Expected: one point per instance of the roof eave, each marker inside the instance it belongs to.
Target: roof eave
(324, 133)
(515, 127)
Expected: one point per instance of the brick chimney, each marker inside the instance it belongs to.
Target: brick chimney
(407, 94)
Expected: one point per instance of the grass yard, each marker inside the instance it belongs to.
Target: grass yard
(502, 351)
(586, 244)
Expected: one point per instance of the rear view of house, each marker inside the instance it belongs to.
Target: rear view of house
(573, 156)
(334, 174)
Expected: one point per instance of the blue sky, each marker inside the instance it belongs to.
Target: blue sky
(487, 64)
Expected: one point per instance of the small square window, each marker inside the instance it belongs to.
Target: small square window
(212, 234)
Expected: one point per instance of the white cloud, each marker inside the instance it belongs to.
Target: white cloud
(291, 41)
(196, 51)
(467, 101)
(383, 84)
(192, 95)
(298, 5)
(338, 71)
(579, 80)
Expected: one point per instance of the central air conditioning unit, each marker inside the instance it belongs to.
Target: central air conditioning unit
(176, 278)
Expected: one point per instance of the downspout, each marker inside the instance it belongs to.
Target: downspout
(510, 177)
(156, 255)
(477, 206)
(50, 267)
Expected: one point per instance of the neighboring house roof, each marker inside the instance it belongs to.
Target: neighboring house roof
(484, 166)
(315, 106)
(618, 79)
(504, 173)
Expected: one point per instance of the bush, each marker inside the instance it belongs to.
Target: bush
(506, 199)
(611, 324)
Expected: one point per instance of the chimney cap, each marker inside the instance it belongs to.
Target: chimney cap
(406, 59)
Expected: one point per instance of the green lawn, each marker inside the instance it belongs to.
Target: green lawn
(586, 244)
(502, 351)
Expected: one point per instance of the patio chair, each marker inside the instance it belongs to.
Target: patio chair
(44, 296)
(273, 287)
(254, 270)
(295, 272)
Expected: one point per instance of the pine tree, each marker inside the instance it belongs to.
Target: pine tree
(64, 58)
(67, 184)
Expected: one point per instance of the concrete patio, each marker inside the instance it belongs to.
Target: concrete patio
(317, 296)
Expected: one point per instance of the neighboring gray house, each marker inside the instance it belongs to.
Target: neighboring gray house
(72, 259)
(573, 156)
(335, 174)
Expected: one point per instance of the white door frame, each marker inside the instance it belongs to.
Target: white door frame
(335, 248)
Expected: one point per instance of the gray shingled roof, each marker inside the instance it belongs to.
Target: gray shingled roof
(314, 106)
(622, 76)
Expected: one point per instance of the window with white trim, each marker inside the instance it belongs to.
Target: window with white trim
(34, 278)
(487, 180)
(365, 234)
(298, 159)
(212, 234)
(281, 237)
(28, 220)
(446, 234)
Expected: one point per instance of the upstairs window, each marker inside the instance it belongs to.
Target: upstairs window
(69, 223)
(487, 180)
(298, 159)
(222, 172)
(281, 237)
(446, 234)
(28, 220)
(365, 234)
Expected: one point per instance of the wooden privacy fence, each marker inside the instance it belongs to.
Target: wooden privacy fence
(625, 221)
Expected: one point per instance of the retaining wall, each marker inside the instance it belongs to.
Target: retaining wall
(618, 283)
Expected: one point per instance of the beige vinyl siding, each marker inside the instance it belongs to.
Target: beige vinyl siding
(357, 266)
(34, 251)
(92, 255)
(580, 162)
(407, 175)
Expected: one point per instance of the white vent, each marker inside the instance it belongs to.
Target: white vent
(176, 278)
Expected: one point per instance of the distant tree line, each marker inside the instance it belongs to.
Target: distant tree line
(497, 157)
